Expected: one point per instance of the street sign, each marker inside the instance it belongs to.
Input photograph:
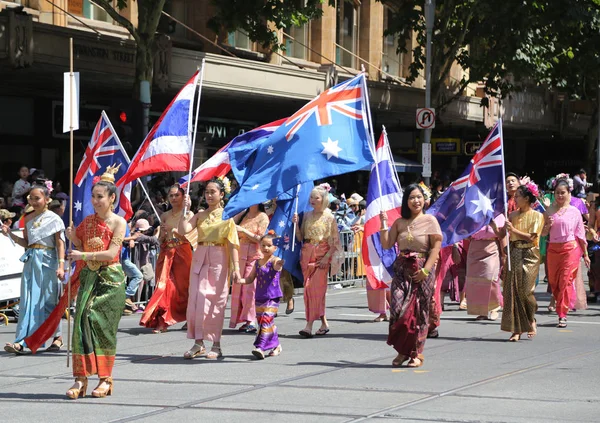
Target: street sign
(471, 147)
(426, 118)
(426, 149)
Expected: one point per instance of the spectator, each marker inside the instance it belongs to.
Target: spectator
(7, 217)
(131, 271)
(21, 188)
(580, 184)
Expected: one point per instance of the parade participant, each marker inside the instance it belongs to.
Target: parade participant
(44, 243)
(252, 226)
(218, 246)
(566, 245)
(20, 188)
(98, 240)
(169, 301)
(512, 183)
(483, 273)
(419, 240)
(266, 272)
(524, 226)
(320, 244)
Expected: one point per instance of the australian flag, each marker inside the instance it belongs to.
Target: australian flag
(477, 196)
(281, 223)
(103, 150)
(328, 136)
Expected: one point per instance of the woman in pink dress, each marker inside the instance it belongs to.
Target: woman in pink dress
(253, 225)
(566, 245)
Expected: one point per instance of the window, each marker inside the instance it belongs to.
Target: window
(391, 61)
(297, 48)
(346, 34)
(91, 11)
(239, 39)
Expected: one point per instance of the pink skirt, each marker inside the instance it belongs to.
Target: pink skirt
(242, 296)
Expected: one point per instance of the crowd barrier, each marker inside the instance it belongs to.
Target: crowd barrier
(352, 271)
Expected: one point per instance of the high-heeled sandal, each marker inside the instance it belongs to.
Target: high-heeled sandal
(514, 337)
(57, 343)
(15, 348)
(414, 364)
(101, 393)
(397, 362)
(533, 332)
(195, 351)
(214, 353)
(76, 392)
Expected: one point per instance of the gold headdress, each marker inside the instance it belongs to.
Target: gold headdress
(109, 175)
(426, 190)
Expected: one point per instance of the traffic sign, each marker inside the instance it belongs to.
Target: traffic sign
(426, 149)
(426, 118)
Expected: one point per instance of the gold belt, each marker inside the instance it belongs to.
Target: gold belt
(40, 247)
(172, 243)
(94, 265)
(212, 244)
(522, 244)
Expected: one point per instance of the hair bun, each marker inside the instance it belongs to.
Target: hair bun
(271, 232)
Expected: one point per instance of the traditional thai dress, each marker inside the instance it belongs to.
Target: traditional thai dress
(242, 296)
(209, 276)
(40, 287)
(564, 256)
(268, 293)
(320, 235)
(410, 301)
(99, 303)
(519, 282)
(169, 301)
(483, 271)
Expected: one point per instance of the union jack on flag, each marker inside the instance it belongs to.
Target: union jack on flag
(477, 196)
(103, 150)
(343, 98)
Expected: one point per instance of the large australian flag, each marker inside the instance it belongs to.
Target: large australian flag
(328, 136)
(477, 196)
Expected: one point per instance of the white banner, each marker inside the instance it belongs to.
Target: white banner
(10, 268)
(67, 101)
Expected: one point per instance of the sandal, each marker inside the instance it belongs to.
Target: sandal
(416, 362)
(433, 333)
(160, 329)
(533, 332)
(195, 351)
(305, 334)
(514, 337)
(103, 392)
(15, 348)
(258, 353)
(57, 343)
(462, 305)
(244, 327)
(251, 329)
(481, 318)
(322, 332)
(400, 358)
(551, 309)
(494, 315)
(214, 353)
(562, 323)
(276, 351)
(76, 391)
(290, 310)
(381, 318)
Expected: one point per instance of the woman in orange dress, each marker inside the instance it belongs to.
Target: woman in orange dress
(320, 245)
(168, 304)
(253, 225)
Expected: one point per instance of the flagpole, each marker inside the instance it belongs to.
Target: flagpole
(199, 82)
(504, 189)
(295, 212)
(372, 147)
(387, 144)
(71, 89)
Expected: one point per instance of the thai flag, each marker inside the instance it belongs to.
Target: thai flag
(219, 164)
(168, 145)
(379, 261)
(103, 150)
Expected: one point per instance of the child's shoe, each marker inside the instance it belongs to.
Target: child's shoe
(258, 353)
(276, 351)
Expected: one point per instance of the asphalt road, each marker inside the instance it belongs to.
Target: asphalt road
(471, 374)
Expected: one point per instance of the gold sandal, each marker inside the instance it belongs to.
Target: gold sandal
(101, 393)
(74, 392)
(414, 364)
(195, 351)
(214, 353)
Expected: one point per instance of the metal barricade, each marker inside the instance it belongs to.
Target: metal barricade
(146, 288)
(352, 271)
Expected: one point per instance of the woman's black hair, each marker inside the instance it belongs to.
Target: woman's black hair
(178, 186)
(562, 181)
(42, 188)
(526, 193)
(512, 174)
(110, 187)
(405, 210)
(270, 235)
(218, 182)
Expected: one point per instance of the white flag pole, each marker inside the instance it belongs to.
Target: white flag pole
(199, 81)
(139, 181)
(71, 178)
(372, 145)
(504, 190)
(295, 212)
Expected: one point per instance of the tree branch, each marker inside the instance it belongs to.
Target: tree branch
(121, 20)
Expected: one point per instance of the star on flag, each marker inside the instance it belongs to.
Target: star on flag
(78, 206)
(331, 148)
(270, 149)
(282, 223)
(483, 203)
(255, 187)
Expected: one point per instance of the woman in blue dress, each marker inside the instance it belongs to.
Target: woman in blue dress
(44, 243)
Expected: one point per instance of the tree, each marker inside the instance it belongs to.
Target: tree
(249, 15)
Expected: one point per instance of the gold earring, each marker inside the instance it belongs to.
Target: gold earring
(112, 206)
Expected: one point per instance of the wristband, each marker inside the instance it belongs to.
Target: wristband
(425, 272)
(61, 260)
(84, 257)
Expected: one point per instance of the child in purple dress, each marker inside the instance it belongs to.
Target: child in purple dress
(268, 293)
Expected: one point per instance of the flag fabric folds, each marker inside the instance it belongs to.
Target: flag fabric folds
(219, 165)
(167, 146)
(328, 136)
(281, 223)
(103, 150)
(379, 261)
(477, 196)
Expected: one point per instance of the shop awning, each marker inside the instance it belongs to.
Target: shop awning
(403, 165)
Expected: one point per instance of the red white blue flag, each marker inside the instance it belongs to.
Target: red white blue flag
(168, 145)
(379, 261)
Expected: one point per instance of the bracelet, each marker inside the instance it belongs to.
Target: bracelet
(426, 272)
(84, 256)
(61, 260)
(236, 266)
(383, 229)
